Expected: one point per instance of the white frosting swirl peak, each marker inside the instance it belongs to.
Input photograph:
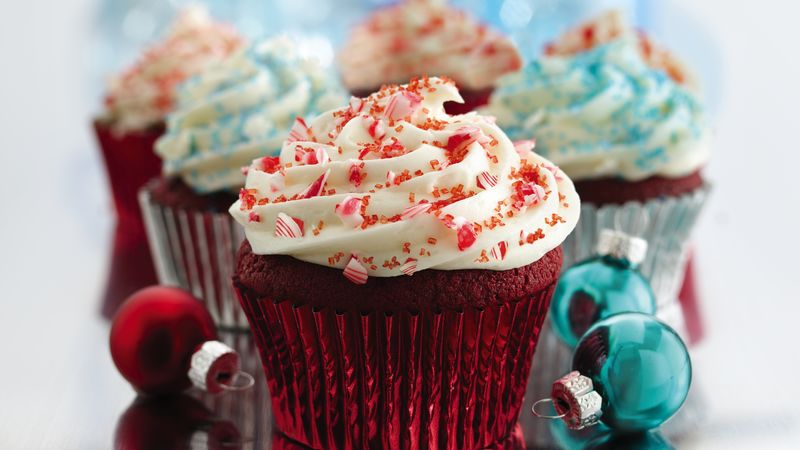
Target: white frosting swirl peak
(403, 186)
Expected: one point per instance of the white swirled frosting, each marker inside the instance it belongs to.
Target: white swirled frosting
(241, 109)
(605, 113)
(397, 185)
(425, 37)
(144, 94)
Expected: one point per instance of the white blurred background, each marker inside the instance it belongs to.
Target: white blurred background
(55, 228)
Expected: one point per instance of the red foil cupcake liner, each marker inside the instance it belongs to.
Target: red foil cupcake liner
(129, 163)
(196, 251)
(347, 380)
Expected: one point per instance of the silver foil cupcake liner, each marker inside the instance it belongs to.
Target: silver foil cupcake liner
(196, 251)
(666, 224)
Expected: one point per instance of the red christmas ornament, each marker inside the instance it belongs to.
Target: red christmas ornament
(163, 340)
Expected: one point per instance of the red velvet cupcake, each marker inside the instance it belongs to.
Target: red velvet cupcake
(240, 109)
(427, 38)
(137, 103)
(397, 271)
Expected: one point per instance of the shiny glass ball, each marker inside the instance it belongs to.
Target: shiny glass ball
(595, 289)
(639, 366)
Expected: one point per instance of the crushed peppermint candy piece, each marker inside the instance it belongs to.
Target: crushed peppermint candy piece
(349, 210)
(376, 129)
(531, 193)
(466, 234)
(311, 156)
(270, 164)
(486, 180)
(557, 173)
(461, 140)
(390, 177)
(300, 131)
(499, 250)
(315, 188)
(254, 217)
(355, 271)
(356, 105)
(290, 227)
(245, 170)
(409, 267)
(403, 104)
(523, 148)
(354, 173)
(415, 210)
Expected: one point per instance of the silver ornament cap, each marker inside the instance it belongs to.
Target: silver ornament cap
(576, 401)
(213, 365)
(620, 245)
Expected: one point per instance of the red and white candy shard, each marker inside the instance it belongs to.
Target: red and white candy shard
(465, 232)
(254, 217)
(318, 155)
(376, 129)
(402, 104)
(245, 170)
(356, 272)
(532, 193)
(349, 211)
(315, 188)
(463, 138)
(287, 226)
(523, 148)
(415, 210)
(270, 164)
(409, 267)
(300, 131)
(356, 105)
(354, 174)
(390, 177)
(486, 180)
(557, 173)
(499, 250)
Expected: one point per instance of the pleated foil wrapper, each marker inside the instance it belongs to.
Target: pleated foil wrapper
(196, 251)
(444, 380)
(666, 224)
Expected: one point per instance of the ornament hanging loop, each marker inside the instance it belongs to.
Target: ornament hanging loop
(247, 381)
(545, 416)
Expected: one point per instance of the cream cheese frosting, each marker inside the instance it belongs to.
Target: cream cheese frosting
(144, 94)
(391, 184)
(240, 109)
(604, 113)
(425, 37)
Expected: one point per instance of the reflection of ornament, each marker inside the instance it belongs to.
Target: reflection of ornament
(173, 422)
(631, 372)
(163, 341)
(602, 286)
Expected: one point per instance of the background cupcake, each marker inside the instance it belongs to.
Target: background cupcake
(235, 111)
(427, 37)
(634, 141)
(396, 283)
(136, 105)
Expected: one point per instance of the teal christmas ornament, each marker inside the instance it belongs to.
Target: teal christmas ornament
(630, 371)
(602, 286)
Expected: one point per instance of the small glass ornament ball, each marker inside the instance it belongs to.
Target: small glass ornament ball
(595, 289)
(639, 366)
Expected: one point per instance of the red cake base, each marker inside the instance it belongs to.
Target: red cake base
(436, 360)
(616, 191)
